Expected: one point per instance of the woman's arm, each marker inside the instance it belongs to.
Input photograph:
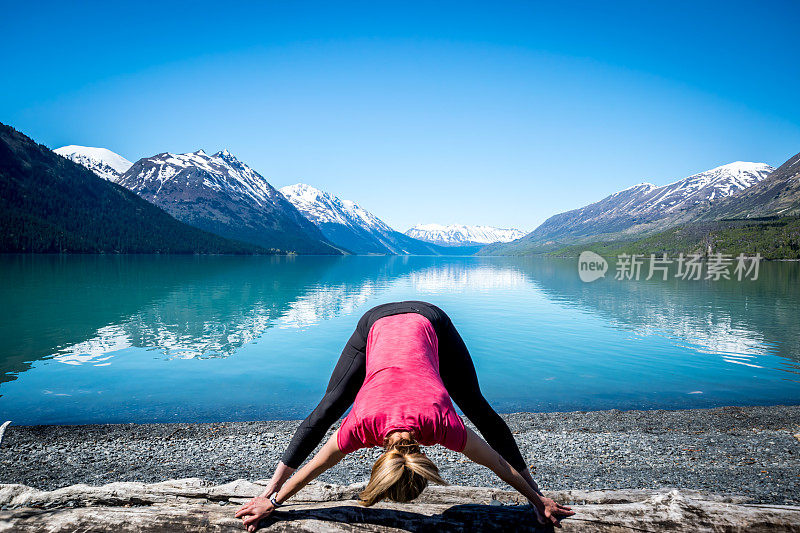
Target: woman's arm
(480, 452)
(326, 457)
(282, 473)
(260, 507)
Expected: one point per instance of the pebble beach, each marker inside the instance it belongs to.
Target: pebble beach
(749, 451)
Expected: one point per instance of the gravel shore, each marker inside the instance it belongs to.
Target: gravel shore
(749, 451)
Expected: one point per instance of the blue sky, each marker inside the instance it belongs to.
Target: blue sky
(480, 113)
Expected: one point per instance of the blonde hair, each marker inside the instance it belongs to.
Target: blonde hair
(400, 474)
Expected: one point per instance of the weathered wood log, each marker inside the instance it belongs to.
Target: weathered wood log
(194, 505)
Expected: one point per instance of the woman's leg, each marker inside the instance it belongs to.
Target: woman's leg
(458, 374)
(345, 382)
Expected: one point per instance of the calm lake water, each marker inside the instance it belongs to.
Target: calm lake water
(92, 339)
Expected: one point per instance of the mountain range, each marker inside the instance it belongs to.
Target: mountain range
(462, 235)
(51, 204)
(350, 226)
(220, 194)
(640, 210)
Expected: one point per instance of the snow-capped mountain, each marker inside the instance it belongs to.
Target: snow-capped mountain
(461, 235)
(322, 207)
(643, 208)
(220, 194)
(778, 195)
(101, 161)
(352, 227)
(704, 187)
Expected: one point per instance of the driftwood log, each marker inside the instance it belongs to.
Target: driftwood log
(194, 505)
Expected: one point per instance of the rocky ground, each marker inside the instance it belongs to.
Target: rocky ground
(752, 452)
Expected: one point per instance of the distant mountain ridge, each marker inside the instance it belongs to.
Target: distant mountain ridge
(103, 162)
(51, 204)
(642, 209)
(462, 235)
(220, 194)
(762, 219)
(350, 226)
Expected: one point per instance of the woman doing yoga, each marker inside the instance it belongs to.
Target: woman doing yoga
(399, 370)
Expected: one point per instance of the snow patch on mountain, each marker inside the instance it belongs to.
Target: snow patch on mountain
(639, 187)
(460, 235)
(103, 162)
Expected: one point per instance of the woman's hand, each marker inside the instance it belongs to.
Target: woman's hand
(551, 512)
(260, 506)
(547, 511)
(253, 511)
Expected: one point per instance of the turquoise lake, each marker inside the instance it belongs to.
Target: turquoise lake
(101, 339)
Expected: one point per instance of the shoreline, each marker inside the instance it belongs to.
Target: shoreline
(505, 415)
(753, 452)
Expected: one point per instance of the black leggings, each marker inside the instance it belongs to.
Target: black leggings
(455, 367)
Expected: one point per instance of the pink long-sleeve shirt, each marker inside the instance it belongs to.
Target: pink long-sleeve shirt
(402, 389)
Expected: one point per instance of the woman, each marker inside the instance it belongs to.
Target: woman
(399, 370)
